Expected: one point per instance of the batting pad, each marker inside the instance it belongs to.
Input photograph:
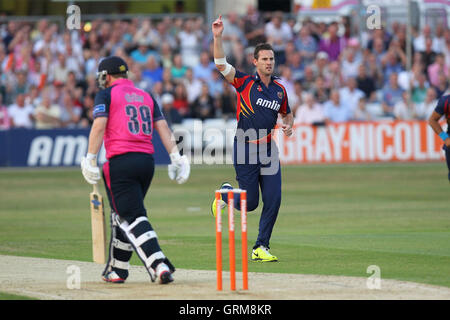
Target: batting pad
(145, 242)
(120, 250)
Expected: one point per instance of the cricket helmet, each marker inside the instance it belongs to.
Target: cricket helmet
(112, 65)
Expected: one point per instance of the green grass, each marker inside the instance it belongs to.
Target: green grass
(8, 296)
(334, 220)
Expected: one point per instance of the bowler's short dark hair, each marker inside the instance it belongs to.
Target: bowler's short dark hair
(261, 46)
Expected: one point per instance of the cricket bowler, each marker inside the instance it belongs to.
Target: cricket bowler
(442, 109)
(260, 99)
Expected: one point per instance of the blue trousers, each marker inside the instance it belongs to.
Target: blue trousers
(260, 170)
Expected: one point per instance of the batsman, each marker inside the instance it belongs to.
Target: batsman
(261, 98)
(124, 119)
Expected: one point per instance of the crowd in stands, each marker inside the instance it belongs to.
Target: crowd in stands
(331, 73)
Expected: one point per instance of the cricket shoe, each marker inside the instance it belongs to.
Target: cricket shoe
(262, 254)
(113, 277)
(164, 274)
(222, 203)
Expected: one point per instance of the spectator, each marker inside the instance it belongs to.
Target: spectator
(391, 94)
(351, 94)
(349, 64)
(38, 56)
(162, 35)
(215, 84)
(378, 52)
(379, 35)
(365, 83)
(287, 81)
(87, 117)
(334, 78)
(375, 71)
(428, 54)
(420, 41)
(443, 85)
(446, 50)
(332, 44)
(178, 70)
(136, 76)
(407, 78)
(391, 64)
(400, 37)
(21, 86)
(310, 112)
(4, 117)
(193, 86)
(47, 114)
(361, 113)
(419, 90)
(189, 44)
(424, 109)
(294, 62)
(335, 109)
(141, 54)
(247, 64)
(254, 27)
(237, 58)
(157, 92)
(278, 33)
(403, 109)
(170, 113)
(168, 85)
(232, 34)
(306, 45)
(21, 114)
(166, 55)
(180, 101)
(203, 71)
(439, 38)
(298, 97)
(70, 113)
(227, 101)
(320, 91)
(152, 72)
(308, 79)
(92, 61)
(60, 71)
(321, 65)
(436, 67)
(203, 106)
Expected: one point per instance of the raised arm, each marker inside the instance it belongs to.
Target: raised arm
(227, 70)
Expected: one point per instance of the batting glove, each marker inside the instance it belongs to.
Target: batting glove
(89, 169)
(180, 168)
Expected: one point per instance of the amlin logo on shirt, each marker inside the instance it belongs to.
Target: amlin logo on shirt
(273, 105)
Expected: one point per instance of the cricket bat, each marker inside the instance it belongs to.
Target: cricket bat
(98, 226)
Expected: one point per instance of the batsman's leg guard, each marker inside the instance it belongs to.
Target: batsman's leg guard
(120, 250)
(145, 242)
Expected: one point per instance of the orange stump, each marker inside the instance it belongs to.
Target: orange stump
(218, 242)
(244, 240)
(231, 238)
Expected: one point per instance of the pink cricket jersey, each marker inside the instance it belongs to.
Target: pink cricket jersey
(131, 113)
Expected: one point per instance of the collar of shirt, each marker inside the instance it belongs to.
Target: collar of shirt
(257, 78)
(122, 81)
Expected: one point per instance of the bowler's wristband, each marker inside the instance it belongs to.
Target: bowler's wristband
(443, 135)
